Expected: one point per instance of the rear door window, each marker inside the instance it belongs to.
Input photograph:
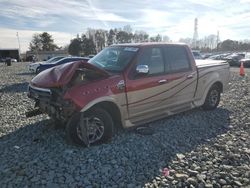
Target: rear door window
(176, 59)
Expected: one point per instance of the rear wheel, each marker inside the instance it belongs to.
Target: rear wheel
(97, 122)
(212, 99)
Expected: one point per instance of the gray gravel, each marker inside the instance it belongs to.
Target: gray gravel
(200, 149)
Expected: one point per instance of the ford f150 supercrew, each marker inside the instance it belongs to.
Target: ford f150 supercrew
(128, 85)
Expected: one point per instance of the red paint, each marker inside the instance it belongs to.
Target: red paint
(83, 94)
(149, 82)
(60, 75)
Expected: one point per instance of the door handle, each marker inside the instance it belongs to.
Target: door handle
(162, 81)
(190, 76)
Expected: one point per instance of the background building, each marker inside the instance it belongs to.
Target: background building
(44, 55)
(9, 53)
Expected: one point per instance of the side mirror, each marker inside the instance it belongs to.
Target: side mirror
(142, 69)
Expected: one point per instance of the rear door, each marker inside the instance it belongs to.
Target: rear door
(182, 76)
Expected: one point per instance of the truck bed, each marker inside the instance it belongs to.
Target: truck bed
(210, 72)
(209, 63)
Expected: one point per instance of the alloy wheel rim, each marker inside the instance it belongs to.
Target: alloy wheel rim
(214, 95)
(95, 130)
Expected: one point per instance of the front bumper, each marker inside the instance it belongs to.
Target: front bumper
(38, 93)
(51, 103)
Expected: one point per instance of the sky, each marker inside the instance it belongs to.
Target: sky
(63, 19)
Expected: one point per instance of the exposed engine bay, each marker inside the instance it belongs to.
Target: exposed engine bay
(83, 75)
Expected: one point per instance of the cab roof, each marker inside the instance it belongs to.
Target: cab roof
(148, 44)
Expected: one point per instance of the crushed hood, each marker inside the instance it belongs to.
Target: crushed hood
(62, 74)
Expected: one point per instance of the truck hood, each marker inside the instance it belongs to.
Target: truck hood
(62, 74)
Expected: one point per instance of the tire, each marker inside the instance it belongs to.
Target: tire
(98, 117)
(212, 98)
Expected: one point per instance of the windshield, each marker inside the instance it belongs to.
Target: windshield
(114, 59)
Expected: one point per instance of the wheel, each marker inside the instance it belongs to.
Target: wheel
(100, 127)
(212, 99)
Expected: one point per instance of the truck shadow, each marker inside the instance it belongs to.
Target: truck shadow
(129, 157)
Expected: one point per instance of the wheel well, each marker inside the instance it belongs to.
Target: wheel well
(113, 110)
(219, 85)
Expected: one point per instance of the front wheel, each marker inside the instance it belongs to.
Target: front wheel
(98, 127)
(212, 99)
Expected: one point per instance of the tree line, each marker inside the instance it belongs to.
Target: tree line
(94, 40)
(211, 43)
(42, 42)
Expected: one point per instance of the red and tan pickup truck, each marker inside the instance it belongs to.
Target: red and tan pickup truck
(128, 85)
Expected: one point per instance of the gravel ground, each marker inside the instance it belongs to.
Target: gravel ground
(192, 149)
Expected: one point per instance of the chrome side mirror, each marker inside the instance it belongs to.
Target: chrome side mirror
(142, 69)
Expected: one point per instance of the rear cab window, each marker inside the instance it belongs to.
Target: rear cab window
(176, 59)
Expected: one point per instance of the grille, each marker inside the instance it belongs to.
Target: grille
(39, 93)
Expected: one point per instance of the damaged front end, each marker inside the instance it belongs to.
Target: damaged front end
(48, 88)
(51, 102)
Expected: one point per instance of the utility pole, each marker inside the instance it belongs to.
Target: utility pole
(218, 39)
(195, 36)
(19, 49)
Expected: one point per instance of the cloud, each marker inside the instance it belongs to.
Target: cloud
(244, 1)
(172, 18)
(9, 38)
(41, 14)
